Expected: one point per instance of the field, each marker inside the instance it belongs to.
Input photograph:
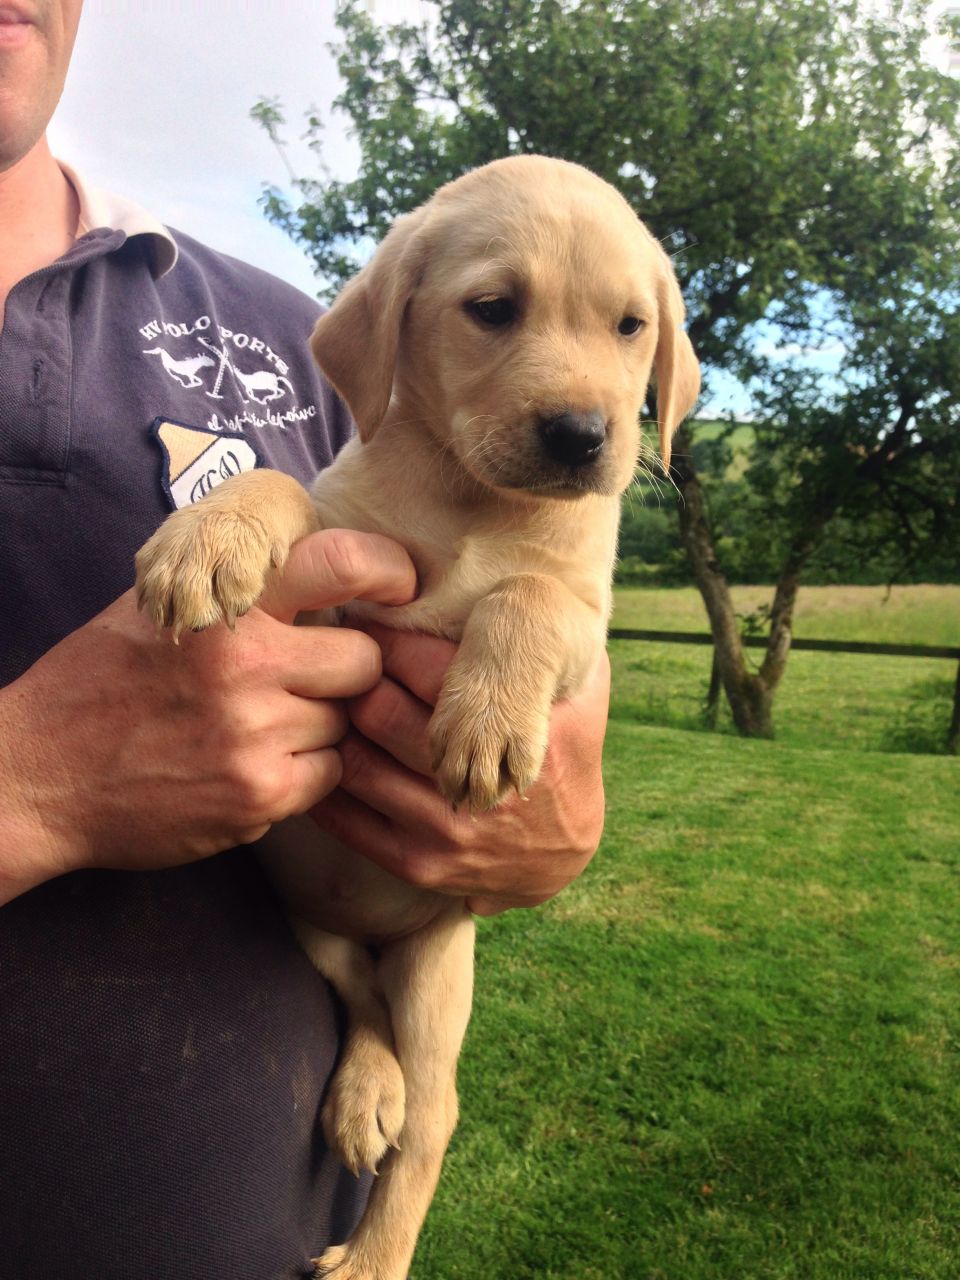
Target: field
(731, 1051)
(840, 700)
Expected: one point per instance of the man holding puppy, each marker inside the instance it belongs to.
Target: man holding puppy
(164, 1045)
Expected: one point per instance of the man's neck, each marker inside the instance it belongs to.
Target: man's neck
(38, 217)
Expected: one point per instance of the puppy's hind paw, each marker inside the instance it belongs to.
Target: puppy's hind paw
(364, 1111)
(330, 1261)
(343, 1263)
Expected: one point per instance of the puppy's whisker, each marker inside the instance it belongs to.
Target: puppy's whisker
(488, 445)
(482, 448)
(478, 417)
(407, 422)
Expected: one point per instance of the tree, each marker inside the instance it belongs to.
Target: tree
(799, 157)
(881, 450)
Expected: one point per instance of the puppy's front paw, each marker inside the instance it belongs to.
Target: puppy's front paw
(486, 743)
(203, 565)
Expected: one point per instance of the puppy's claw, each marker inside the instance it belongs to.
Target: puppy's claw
(334, 1262)
(480, 759)
(329, 1262)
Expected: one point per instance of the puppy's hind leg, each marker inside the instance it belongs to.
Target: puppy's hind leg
(363, 1113)
(428, 981)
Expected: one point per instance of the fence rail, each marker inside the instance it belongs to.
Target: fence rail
(816, 646)
(823, 646)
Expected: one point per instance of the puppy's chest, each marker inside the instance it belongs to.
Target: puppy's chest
(451, 580)
(461, 554)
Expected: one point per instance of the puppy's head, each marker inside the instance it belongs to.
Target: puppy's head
(518, 315)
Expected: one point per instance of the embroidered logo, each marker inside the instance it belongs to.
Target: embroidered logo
(238, 378)
(259, 385)
(183, 371)
(196, 461)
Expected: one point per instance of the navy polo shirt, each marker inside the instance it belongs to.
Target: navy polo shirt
(164, 1043)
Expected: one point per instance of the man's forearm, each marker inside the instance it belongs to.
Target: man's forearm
(20, 868)
(26, 857)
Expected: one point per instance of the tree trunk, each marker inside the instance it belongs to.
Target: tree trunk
(713, 693)
(749, 693)
(785, 598)
(749, 697)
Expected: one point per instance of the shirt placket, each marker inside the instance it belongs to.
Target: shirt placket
(36, 371)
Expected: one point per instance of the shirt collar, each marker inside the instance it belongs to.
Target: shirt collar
(103, 209)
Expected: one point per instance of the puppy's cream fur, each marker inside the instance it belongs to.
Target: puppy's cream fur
(514, 551)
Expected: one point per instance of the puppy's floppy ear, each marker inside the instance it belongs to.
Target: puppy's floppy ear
(355, 342)
(676, 368)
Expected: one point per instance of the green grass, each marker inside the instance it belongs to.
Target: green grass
(849, 701)
(731, 1050)
(904, 615)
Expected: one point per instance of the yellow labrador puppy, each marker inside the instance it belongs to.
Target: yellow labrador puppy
(495, 354)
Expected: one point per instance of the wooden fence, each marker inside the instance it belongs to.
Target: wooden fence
(816, 646)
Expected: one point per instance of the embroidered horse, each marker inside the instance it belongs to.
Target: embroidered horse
(184, 371)
(261, 380)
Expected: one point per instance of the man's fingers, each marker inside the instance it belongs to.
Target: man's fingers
(327, 662)
(370, 834)
(335, 566)
(495, 906)
(355, 824)
(316, 723)
(313, 775)
(380, 781)
(395, 720)
(418, 661)
(488, 906)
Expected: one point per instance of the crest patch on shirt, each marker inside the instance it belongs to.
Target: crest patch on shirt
(196, 461)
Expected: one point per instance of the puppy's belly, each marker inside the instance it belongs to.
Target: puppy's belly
(338, 890)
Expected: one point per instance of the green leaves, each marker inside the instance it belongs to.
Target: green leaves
(802, 155)
(780, 137)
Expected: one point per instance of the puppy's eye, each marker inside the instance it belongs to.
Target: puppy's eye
(629, 325)
(494, 312)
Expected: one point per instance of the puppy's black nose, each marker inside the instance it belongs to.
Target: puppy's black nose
(573, 438)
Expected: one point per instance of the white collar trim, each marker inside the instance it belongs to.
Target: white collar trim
(103, 209)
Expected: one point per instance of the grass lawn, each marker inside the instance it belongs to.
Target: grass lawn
(730, 1051)
(826, 699)
(905, 615)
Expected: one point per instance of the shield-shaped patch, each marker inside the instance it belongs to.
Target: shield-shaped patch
(196, 460)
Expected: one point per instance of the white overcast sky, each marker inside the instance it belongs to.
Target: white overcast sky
(157, 102)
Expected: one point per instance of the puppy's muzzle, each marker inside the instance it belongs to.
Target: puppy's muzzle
(574, 439)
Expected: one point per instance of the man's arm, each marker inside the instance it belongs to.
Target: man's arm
(120, 749)
(387, 807)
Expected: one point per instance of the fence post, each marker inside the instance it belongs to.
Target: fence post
(953, 737)
(713, 693)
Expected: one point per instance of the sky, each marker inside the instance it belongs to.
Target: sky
(157, 108)
(157, 102)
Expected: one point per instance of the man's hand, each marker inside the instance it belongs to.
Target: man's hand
(387, 807)
(121, 749)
